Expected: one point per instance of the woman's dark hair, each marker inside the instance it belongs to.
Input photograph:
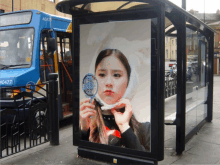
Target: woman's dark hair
(118, 54)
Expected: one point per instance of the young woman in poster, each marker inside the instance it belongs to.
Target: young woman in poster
(109, 118)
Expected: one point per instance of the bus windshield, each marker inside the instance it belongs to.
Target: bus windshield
(16, 47)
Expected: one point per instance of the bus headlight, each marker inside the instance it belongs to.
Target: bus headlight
(10, 93)
(15, 92)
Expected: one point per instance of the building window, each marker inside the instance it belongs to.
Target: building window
(172, 42)
(2, 11)
(176, 54)
(172, 54)
(166, 40)
(167, 53)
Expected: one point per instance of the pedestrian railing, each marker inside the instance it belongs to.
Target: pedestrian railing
(23, 118)
(170, 87)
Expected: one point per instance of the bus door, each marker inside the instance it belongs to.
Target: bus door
(65, 72)
(46, 58)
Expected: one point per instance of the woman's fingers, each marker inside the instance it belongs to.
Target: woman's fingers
(124, 103)
(86, 105)
(114, 111)
(128, 109)
(86, 100)
(87, 112)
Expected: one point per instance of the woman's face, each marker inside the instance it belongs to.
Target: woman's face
(112, 79)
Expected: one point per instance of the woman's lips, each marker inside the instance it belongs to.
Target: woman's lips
(108, 92)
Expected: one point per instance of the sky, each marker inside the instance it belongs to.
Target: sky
(211, 6)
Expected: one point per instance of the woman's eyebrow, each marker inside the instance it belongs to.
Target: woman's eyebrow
(101, 69)
(117, 70)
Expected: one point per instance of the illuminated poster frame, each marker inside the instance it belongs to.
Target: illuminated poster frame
(115, 153)
(117, 75)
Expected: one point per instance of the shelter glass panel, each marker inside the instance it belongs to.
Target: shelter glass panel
(170, 71)
(196, 77)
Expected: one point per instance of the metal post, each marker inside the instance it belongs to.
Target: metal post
(181, 84)
(184, 4)
(204, 11)
(210, 78)
(53, 110)
(75, 85)
(12, 5)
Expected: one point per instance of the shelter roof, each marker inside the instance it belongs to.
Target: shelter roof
(88, 7)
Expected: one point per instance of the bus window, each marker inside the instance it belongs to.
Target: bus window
(67, 56)
(16, 48)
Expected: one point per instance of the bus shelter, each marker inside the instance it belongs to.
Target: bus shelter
(119, 53)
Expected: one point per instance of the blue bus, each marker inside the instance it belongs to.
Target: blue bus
(32, 45)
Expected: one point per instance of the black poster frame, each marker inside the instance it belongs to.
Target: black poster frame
(157, 88)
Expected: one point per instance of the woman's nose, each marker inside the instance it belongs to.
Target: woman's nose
(109, 82)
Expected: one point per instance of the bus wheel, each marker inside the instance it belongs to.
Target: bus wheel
(38, 121)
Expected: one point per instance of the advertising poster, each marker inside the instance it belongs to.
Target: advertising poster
(115, 84)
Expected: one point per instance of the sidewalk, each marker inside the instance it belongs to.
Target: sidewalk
(203, 148)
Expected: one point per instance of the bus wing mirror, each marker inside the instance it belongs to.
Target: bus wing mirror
(51, 44)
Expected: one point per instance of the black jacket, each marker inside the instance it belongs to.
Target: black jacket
(128, 138)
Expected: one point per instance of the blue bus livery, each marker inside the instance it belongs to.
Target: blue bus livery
(26, 59)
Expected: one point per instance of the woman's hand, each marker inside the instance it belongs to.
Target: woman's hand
(122, 119)
(86, 111)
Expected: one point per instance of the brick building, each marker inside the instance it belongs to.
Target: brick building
(213, 20)
(47, 6)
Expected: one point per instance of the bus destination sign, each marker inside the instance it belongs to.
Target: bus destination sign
(15, 19)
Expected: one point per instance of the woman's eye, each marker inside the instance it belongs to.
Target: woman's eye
(117, 75)
(101, 75)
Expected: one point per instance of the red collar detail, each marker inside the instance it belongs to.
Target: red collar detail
(115, 133)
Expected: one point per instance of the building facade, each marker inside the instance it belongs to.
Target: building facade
(47, 6)
(213, 20)
(170, 48)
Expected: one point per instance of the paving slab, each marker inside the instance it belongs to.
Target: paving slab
(210, 131)
(191, 143)
(205, 149)
(168, 160)
(218, 162)
(216, 115)
(65, 153)
(196, 159)
(170, 143)
(209, 139)
(214, 124)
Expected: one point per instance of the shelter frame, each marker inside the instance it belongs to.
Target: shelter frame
(178, 17)
(156, 115)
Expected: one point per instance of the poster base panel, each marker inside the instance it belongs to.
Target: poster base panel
(112, 158)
